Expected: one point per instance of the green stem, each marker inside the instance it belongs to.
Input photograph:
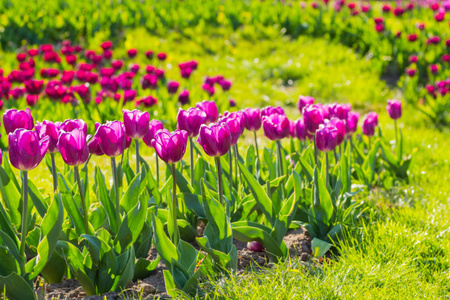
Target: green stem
(116, 191)
(174, 206)
(24, 227)
(219, 178)
(236, 158)
(55, 178)
(230, 160)
(83, 200)
(396, 136)
(256, 144)
(136, 142)
(157, 170)
(280, 167)
(315, 150)
(327, 169)
(191, 147)
(335, 155)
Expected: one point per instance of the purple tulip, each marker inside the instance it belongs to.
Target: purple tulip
(34, 87)
(352, 123)
(235, 122)
(300, 130)
(113, 139)
(394, 109)
(69, 125)
(190, 120)
(369, 124)
(252, 117)
(73, 147)
(255, 246)
(211, 110)
(270, 110)
(275, 126)
(183, 97)
(153, 127)
(304, 101)
(172, 87)
(50, 129)
(326, 137)
(314, 116)
(339, 111)
(26, 151)
(215, 139)
(94, 146)
(14, 119)
(170, 146)
(136, 123)
(225, 84)
(340, 126)
(292, 129)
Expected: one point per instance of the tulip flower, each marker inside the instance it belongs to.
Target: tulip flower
(301, 132)
(26, 151)
(252, 122)
(51, 130)
(71, 124)
(304, 101)
(172, 87)
(215, 140)
(34, 87)
(170, 147)
(369, 124)
(339, 111)
(153, 127)
(270, 110)
(314, 116)
(394, 109)
(255, 246)
(326, 140)
(340, 127)
(183, 97)
(132, 53)
(94, 146)
(14, 119)
(136, 126)
(275, 126)
(161, 56)
(149, 54)
(352, 123)
(211, 110)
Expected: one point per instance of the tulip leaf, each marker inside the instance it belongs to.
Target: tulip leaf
(307, 170)
(70, 206)
(144, 268)
(37, 199)
(131, 225)
(258, 192)
(163, 244)
(182, 183)
(9, 263)
(131, 195)
(319, 248)
(105, 200)
(15, 287)
(6, 226)
(194, 203)
(268, 155)
(323, 206)
(11, 197)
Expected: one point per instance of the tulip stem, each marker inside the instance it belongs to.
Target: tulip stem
(174, 206)
(238, 172)
(280, 167)
(55, 178)
(219, 179)
(396, 136)
(315, 150)
(136, 142)
(230, 160)
(24, 227)
(191, 149)
(116, 191)
(256, 144)
(157, 170)
(327, 169)
(84, 208)
(335, 155)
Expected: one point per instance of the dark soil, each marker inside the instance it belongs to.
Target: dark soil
(297, 241)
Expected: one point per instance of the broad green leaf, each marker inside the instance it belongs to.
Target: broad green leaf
(11, 197)
(131, 226)
(15, 287)
(104, 199)
(319, 247)
(163, 244)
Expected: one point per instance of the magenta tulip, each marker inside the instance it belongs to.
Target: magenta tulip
(326, 137)
(14, 119)
(211, 110)
(190, 120)
(340, 126)
(304, 101)
(136, 123)
(252, 119)
(270, 110)
(255, 246)
(352, 123)
(113, 139)
(235, 122)
(26, 150)
(183, 97)
(172, 87)
(275, 126)
(339, 111)
(73, 147)
(394, 109)
(369, 124)
(215, 139)
(170, 146)
(69, 125)
(314, 116)
(94, 146)
(153, 127)
(50, 129)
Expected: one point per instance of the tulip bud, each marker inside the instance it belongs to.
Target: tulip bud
(94, 146)
(113, 139)
(340, 126)
(190, 120)
(326, 137)
(211, 110)
(369, 124)
(132, 53)
(394, 109)
(13, 119)
(136, 123)
(352, 123)
(313, 116)
(26, 151)
(304, 101)
(162, 56)
(255, 246)
(252, 118)
(172, 87)
(235, 123)
(183, 98)
(215, 139)
(50, 129)
(170, 146)
(153, 127)
(275, 126)
(300, 130)
(73, 147)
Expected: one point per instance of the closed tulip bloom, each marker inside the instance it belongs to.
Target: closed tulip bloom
(339, 111)
(94, 146)
(275, 127)
(394, 109)
(73, 147)
(13, 119)
(304, 101)
(50, 129)
(161, 56)
(314, 116)
(34, 87)
(190, 120)
(132, 52)
(26, 151)
(369, 124)
(225, 84)
(183, 97)
(340, 126)
(170, 146)
(113, 139)
(292, 129)
(211, 110)
(172, 87)
(235, 122)
(352, 123)
(252, 119)
(71, 124)
(215, 139)
(136, 123)
(153, 127)
(270, 110)
(326, 137)
(300, 130)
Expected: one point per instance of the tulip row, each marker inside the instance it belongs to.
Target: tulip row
(108, 233)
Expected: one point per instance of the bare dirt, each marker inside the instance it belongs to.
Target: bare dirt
(297, 241)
